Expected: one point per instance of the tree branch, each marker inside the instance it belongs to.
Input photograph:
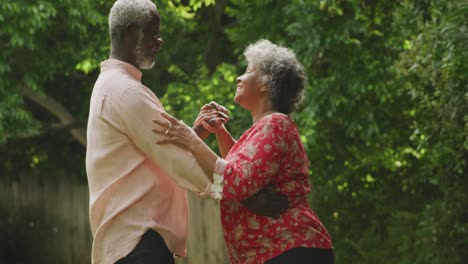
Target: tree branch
(214, 47)
(57, 109)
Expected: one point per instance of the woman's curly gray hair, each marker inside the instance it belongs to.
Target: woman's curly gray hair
(282, 72)
(126, 12)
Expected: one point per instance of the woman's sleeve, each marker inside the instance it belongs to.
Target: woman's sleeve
(253, 166)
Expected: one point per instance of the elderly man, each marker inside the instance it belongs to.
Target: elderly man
(138, 199)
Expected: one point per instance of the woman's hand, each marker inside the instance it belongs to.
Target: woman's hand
(211, 119)
(175, 131)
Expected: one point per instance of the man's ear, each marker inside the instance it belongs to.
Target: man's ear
(131, 31)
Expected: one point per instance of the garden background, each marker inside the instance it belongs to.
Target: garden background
(384, 120)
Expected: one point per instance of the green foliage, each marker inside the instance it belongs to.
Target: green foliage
(191, 91)
(44, 40)
(15, 121)
(435, 74)
(384, 120)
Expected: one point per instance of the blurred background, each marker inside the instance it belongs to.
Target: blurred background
(384, 120)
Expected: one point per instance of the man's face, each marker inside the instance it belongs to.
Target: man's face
(148, 44)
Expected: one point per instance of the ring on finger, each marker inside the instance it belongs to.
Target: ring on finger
(169, 128)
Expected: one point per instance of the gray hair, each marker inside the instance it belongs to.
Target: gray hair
(126, 12)
(281, 71)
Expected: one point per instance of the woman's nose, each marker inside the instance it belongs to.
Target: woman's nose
(238, 79)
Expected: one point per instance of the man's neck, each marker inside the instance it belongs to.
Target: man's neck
(117, 54)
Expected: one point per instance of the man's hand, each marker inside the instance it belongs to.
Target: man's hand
(210, 119)
(267, 202)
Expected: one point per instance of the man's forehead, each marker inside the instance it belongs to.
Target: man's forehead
(152, 24)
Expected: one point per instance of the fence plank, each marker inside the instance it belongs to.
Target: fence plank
(51, 219)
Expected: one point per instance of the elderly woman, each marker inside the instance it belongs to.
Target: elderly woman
(268, 153)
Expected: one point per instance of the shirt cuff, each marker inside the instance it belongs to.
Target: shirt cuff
(215, 190)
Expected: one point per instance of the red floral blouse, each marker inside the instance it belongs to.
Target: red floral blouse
(269, 152)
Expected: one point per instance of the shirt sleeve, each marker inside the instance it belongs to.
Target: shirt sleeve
(253, 165)
(138, 107)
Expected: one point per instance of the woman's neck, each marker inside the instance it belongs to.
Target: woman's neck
(260, 107)
(263, 108)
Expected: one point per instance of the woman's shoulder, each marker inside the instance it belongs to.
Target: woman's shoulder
(276, 125)
(278, 120)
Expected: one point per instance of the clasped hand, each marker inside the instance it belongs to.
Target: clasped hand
(210, 119)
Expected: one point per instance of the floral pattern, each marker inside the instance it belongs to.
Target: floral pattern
(270, 152)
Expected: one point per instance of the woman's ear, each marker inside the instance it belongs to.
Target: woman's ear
(264, 84)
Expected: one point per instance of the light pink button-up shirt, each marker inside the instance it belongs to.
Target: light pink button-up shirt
(134, 184)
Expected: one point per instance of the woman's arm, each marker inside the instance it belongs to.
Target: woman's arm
(225, 141)
(250, 172)
(223, 137)
(178, 132)
(204, 155)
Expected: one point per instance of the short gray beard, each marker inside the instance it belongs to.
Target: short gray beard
(144, 63)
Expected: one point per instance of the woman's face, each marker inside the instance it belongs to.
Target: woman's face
(249, 86)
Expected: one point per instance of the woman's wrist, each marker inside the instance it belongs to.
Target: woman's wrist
(221, 130)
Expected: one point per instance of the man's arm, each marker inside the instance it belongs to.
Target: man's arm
(137, 109)
(267, 202)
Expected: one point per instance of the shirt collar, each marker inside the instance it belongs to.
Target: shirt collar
(114, 63)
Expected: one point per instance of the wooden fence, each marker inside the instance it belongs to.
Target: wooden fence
(47, 222)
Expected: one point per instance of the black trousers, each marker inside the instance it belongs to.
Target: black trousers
(150, 250)
(302, 255)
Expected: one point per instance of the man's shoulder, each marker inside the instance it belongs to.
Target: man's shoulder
(118, 80)
(117, 84)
